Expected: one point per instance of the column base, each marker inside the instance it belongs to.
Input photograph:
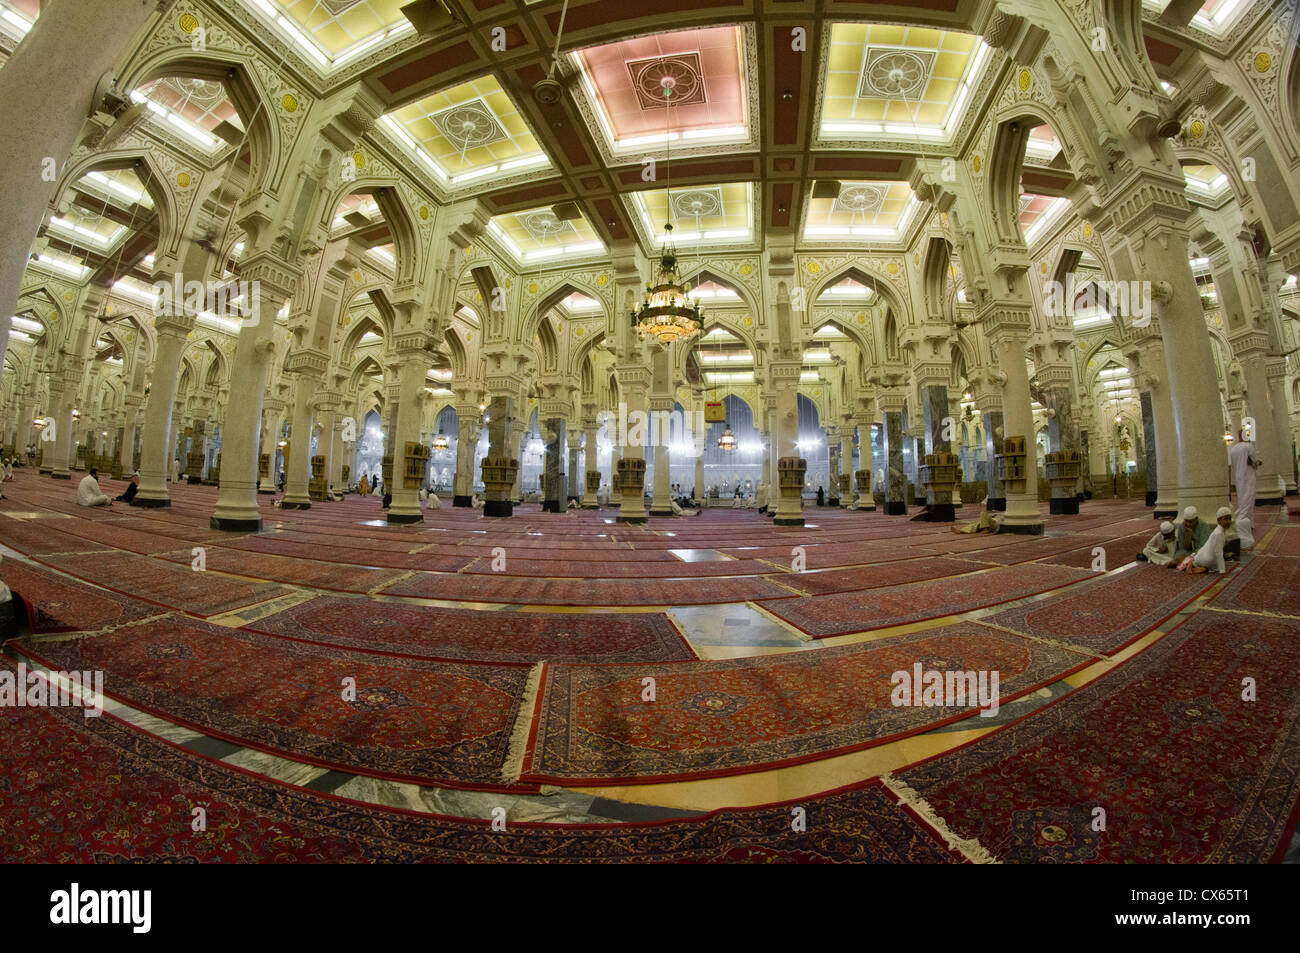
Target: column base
(997, 504)
(634, 520)
(498, 508)
(405, 518)
(150, 503)
(288, 504)
(591, 506)
(1160, 514)
(1151, 497)
(1295, 492)
(1064, 507)
(266, 492)
(865, 507)
(194, 481)
(787, 521)
(661, 511)
(942, 513)
(895, 508)
(465, 501)
(832, 501)
(552, 506)
(1022, 529)
(61, 476)
(1268, 501)
(229, 525)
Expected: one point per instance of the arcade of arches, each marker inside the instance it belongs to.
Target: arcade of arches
(351, 285)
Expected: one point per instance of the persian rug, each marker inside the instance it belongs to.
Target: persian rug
(1030, 549)
(1285, 542)
(340, 552)
(479, 636)
(298, 572)
(729, 717)
(523, 590)
(844, 612)
(1263, 584)
(1118, 551)
(99, 791)
(57, 604)
(409, 719)
(117, 536)
(883, 574)
(40, 537)
(588, 569)
(160, 582)
(1108, 614)
(1186, 770)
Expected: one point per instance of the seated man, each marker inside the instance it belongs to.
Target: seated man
(1210, 556)
(1190, 534)
(331, 495)
(1240, 537)
(1159, 550)
(132, 489)
(433, 502)
(89, 493)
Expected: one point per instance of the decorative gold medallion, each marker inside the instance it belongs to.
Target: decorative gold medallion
(746, 268)
(359, 159)
(289, 102)
(424, 213)
(1087, 230)
(813, 267)
(578, 332)
(1262, 61)
(1196, 129)
(602, 280)
(1025, 80)
(749, 322)
(892, 268)
(977, 164)
(183, 180)
(189, 23)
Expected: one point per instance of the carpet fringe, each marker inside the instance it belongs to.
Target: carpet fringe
(969, 848)
(513, 767)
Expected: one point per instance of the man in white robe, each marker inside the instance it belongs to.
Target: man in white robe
(1209, 558)
(1159, 550)
(89, 493)
(1244, 463)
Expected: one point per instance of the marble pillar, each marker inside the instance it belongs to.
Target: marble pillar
(502, 442)
(572, 482)
(1151, 460)
(789, 510)
(1276, 371)
(698, 489)
(298, 473)
(845, 476)
(832, 466)
(939, 426)
(1062, 435)
(1269, 489)
(553, 474)
(994, 431)
(895, 478)
(591, 462)
(467, 427)
(615, 494)
(60, 450)
(1018, 417)
(404, 503)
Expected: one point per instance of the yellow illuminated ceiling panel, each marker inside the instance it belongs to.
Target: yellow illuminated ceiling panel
(889, 79)
(471, 129)
(708, 213)
(538, 234)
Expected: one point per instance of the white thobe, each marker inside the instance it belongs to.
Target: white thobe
(1159, 551)
(1210, 556)
(1241, 456)
(89, 493)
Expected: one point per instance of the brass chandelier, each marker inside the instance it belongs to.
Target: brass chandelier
(668, 314)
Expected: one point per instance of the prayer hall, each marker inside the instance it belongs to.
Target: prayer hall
(650, 431)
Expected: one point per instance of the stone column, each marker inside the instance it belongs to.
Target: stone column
(1276, 372)
(1062, 433)
(938, 430)
(1150, 458)
(1250, 348)
(634, 382)
(266, 446)
(503, 443)
(1146, 361)
(574, 443)
(785, 381)
(591, 458)
(832, 435)
(412, 366)
(298, 472)
(891, 406)
(62, 397)
(615, 494)
(661, 503)
(699, 481)
(236, 509)
(845, 476)
(1010, 346)
(126, 452)
(552, 427)
(468, 420)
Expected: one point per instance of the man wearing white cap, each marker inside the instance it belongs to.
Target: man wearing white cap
(1191, 533)
(1160, 550)
(1210, 556)
(1244, 463)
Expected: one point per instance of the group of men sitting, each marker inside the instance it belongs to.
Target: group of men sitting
(89, 493)
(1192, 545)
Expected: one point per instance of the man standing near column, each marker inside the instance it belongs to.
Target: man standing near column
(1244, 463)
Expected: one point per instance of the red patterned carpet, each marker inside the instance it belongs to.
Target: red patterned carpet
(915, 569)
(1264, 584)
(297, 572)
(1185, 769)
(841, 613)
(476, 636)
(523, 590)
(1111, 613)
(130, 799)
(58, 604)
(41, 537)
(1285, 542)
(433, 722)
(160, 582)
(730, 717)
